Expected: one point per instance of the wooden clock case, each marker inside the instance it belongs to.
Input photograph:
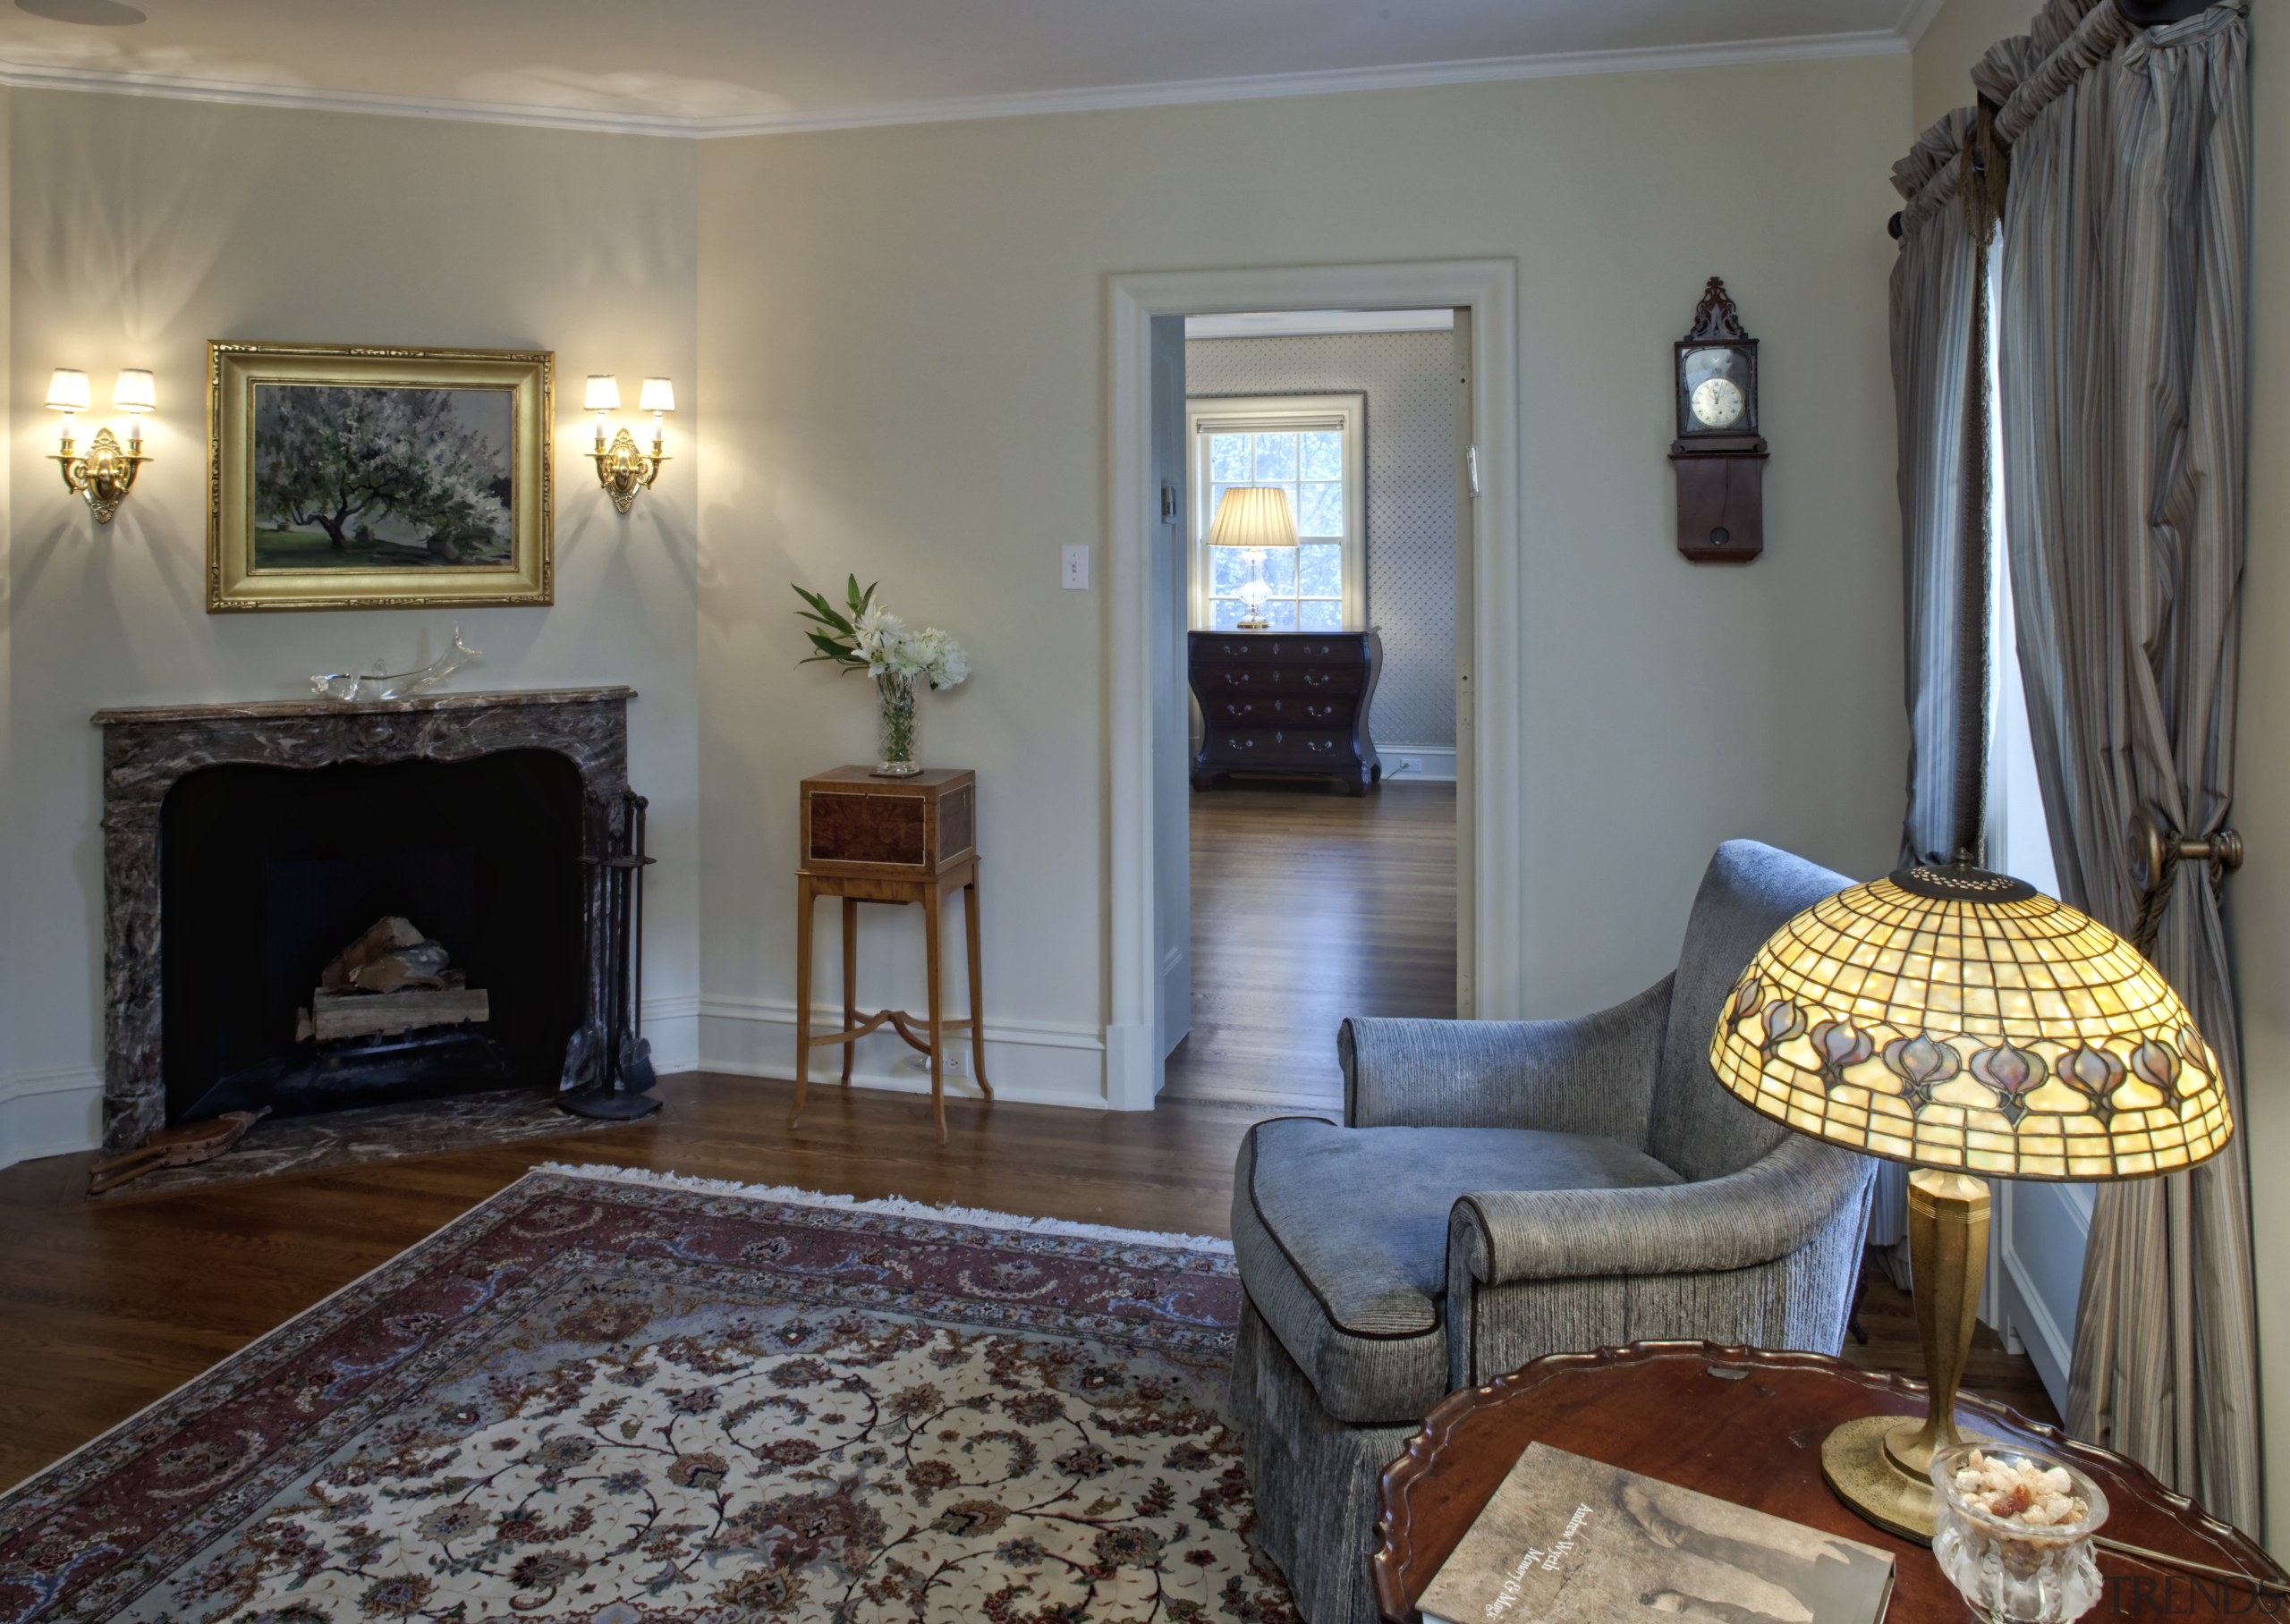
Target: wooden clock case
(1720, 472)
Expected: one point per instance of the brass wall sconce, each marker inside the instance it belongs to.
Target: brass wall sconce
(622, 468)
(104, 472)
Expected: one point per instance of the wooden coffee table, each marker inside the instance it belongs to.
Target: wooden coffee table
(1746, 1425)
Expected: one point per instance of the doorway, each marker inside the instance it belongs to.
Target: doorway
(1310, 904)
(1150, 812)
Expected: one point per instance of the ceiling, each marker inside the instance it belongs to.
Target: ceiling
(739, 66)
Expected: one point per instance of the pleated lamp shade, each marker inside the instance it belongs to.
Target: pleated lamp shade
(1958, 1019)
(1253, 516)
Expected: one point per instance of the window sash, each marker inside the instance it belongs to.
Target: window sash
(1210, 416)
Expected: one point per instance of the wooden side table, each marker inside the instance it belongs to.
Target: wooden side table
(1746, 1425)
(868, 839)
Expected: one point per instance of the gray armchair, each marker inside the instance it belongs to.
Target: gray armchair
(1501, 1190)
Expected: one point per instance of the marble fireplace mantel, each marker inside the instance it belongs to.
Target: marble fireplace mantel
(147, 749)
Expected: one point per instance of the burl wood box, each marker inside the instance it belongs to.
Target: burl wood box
(857, 824)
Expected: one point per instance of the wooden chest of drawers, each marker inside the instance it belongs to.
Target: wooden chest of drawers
(1292, 702)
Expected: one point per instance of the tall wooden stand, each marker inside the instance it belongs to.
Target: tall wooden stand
(889, 840)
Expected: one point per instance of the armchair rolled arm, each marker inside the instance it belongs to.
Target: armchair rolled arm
(1771, 1208)
(1593, 1074)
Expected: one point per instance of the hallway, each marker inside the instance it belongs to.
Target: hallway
(1307, 907)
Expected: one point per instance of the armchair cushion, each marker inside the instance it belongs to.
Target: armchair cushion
(1342, 1239)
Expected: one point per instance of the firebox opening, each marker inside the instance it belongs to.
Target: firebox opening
(267, 873)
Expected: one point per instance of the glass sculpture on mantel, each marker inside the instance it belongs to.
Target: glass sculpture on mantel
(379, 683)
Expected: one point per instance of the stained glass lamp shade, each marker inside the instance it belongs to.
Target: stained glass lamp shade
(1962, 1022)
(1254, 517)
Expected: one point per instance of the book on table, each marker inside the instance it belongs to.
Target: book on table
(1568, 1540)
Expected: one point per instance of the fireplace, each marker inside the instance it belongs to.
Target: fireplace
(267, 873)
(246, 845)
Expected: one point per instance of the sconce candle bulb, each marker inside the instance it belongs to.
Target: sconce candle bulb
(105, 473)
(622, 467)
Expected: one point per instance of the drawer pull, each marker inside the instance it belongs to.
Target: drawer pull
(1318, 679)
(1240, 708)
(1320, 747)
(1320, 713)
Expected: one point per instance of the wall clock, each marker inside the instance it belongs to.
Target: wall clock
(1719, 454)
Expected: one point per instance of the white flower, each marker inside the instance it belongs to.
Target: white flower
(877, 631)
(950, 665)
(910, 657)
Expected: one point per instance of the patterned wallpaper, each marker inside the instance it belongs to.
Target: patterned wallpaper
(1411, 496)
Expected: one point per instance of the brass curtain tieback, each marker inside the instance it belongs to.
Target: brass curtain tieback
(2155, 857)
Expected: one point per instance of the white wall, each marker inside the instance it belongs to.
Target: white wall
(141, 228)
(905, 345)
(905, 330)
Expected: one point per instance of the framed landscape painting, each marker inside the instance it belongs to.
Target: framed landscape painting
(350, 477)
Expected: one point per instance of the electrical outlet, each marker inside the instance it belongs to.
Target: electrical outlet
(1076, 577)
(957, 1062)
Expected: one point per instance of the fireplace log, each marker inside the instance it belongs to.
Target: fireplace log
(423, 965)
(382, 936)
(349, 1014)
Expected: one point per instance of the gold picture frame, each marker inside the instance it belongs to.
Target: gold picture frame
(307, 509)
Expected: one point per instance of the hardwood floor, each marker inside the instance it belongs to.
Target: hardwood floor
(106, 1307)
(1308, 907)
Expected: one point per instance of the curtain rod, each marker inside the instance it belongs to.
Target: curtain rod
(2140, 13)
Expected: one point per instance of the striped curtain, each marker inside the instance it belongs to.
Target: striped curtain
(1935, 381)
(1936, 386)
(2122, 310)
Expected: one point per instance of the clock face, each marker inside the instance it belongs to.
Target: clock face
(1717, 389)
(1718, 402)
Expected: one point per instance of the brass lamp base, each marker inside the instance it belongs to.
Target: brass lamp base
(1878, 1464)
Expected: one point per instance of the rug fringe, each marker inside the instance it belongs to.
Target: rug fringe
(895, 1205)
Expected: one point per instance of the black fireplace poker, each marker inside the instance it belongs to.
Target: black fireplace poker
(608, 1062)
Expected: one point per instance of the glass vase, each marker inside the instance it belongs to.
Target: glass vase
(2011, 1573)
(896, 748)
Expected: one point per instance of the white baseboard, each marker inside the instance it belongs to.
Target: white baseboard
(50, 1113)
(1431, 763)
(1034, 1064)
(673, 1026)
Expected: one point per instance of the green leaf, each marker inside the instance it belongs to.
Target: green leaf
(826, 614)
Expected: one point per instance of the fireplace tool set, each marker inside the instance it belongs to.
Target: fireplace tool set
(608, 1062)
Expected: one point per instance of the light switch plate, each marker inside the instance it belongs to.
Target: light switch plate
(1076, 578)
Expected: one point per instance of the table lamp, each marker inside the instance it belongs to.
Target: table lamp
(1254, 517)
(1964, 1023)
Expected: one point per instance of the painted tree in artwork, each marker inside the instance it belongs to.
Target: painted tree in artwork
(346, 459)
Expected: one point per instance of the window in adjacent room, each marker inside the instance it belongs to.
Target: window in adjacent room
(1310, 446)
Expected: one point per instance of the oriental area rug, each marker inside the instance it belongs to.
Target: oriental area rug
(615, 1397)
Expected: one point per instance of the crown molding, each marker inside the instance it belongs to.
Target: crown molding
(1914, 19)
(1181, 93)
(168, 86)
(1741, 53)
